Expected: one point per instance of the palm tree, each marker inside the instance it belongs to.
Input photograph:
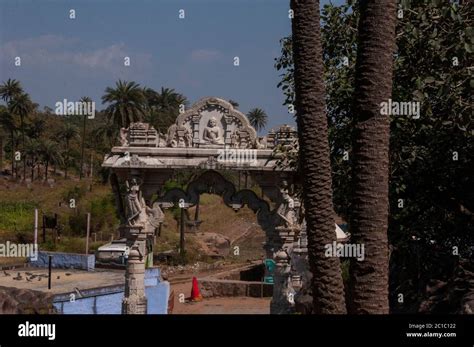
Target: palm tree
(127, 103)
(315, 167)
(163, 107)
(33, 151)
(50, 154)
(36, 127)
(21, 105)
(3, 110)
(84, 99)
(257, 118)
(10, 89)
(106, 134)
(169, 99)
(2, 136)
(371, 131)
(68, 133)
(234, 103)
(151, 97)
(8, 124)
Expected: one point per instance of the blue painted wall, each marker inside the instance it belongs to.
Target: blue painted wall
(108, 300)
(65, 260)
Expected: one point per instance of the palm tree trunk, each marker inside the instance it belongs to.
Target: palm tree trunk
(46, 170)
(32, 170)
(13, 153)
(1, 153)
(82, 147)
(369, 209)
(66, 162)
(23, 146)
(314, 161)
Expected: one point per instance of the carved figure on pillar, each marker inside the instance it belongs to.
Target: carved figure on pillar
(287, 209)
(138, 213)
(123, 137)
(141, 222)
(134, 204)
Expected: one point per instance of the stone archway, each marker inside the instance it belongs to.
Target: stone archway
(211, 136)
(213, 182)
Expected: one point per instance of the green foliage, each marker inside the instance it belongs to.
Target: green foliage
(163, 107)
(16, 215)
(76, 193)
(103, 214)
(126, 103)
(257, 118)
(433, 66)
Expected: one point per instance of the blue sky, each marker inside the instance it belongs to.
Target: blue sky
(71, 58)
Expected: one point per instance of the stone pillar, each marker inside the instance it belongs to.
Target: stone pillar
(134, 301)
(283, 292)
(195, 129)
(299, 260)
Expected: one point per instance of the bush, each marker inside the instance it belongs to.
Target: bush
(17, 215)
(76, 193)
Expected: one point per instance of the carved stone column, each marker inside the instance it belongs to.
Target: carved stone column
(283, 290)
(285, 283)
(134, 301)
(141, 221)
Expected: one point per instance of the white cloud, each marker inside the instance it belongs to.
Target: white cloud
(54, 49)
(205, 55)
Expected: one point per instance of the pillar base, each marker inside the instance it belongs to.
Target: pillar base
(134, 305)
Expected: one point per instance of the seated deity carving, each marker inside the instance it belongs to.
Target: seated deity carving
(212, 133)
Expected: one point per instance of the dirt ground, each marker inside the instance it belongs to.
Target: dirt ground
(62, 281)
(227, 305)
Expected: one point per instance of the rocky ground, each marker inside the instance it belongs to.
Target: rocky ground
(24, 301)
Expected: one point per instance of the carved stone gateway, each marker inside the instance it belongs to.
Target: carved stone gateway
(145, 160)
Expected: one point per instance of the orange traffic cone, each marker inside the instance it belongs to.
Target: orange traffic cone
(195, 293)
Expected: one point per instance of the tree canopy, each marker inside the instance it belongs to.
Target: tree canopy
(431, 208)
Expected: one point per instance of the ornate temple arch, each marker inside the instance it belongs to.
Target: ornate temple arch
(209, 137)
(212, 182)
(236, 129)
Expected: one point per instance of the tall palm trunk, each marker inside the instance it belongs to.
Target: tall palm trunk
(82, 147)
(13, 153)
(327, 285)
(66, 159)
(46, 170)
(23, 145)
(369, 209)
(33, 160)
(1, 153)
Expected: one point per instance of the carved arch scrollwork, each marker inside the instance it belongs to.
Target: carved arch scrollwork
(214, 183)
